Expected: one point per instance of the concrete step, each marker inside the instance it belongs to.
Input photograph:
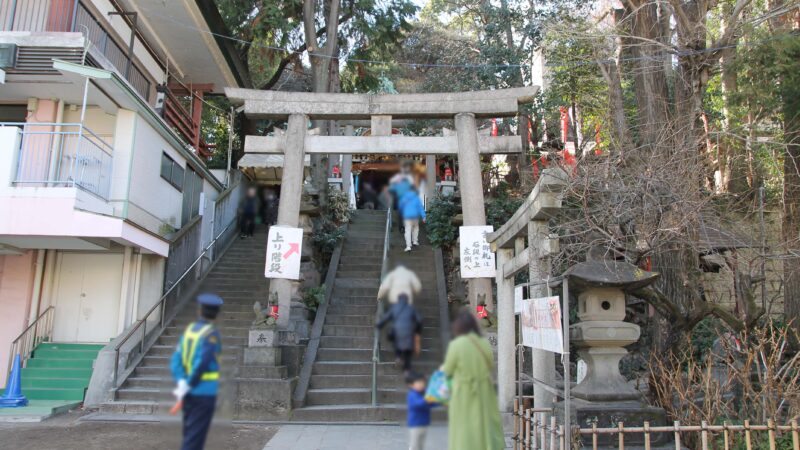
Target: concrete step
(365, 354)
(352, 381)
(149, 383)
(144, 394)
(358, 413)
(345, 396)
(168, 350)
(338, 319)
(366, 331)
(365, 368)
(164, 360)
(139, 408)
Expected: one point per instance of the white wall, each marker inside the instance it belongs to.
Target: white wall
(152, 200)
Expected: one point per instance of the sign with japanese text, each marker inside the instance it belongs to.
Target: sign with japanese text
(283, 253)
(477, 257)
(541, 324)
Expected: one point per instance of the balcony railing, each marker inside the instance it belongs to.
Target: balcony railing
(54, 16)
(63, 155)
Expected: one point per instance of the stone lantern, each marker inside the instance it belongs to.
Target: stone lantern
(604, 396)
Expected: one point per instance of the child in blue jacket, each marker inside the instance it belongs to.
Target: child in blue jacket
(419, 411)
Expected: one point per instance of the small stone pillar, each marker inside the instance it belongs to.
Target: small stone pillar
(506, 333)
(470, 182)
(430, 179)
(289, 205)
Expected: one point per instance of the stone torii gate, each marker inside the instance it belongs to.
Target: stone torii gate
(464, 108)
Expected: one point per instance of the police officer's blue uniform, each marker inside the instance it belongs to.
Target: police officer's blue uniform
(196, 360)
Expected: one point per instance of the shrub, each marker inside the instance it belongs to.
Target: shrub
(312, 298)
(338, 209)
(439, 223)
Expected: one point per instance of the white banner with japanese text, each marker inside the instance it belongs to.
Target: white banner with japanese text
(283, 253)
(477, 257)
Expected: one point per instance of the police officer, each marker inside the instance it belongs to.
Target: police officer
(195, 367)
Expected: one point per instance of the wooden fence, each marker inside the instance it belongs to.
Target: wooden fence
(538, 429)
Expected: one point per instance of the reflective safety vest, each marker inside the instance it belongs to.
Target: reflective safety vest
(191, 339)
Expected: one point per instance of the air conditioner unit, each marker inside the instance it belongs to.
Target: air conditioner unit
(8, 55)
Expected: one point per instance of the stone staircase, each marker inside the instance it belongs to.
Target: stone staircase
(239, 279)
(341, 380)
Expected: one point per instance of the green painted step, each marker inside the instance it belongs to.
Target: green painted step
(55, 383)
(61, 363)
(65, 354)
(54, 394)
(59, 372)
(61, 346)
(49, 372)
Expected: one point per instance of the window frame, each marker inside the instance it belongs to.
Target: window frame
(172, 172)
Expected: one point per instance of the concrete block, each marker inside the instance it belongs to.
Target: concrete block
(264, 399)
(139, 408)
(270, 356)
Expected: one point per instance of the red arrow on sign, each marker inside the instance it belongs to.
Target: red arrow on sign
(293, 248)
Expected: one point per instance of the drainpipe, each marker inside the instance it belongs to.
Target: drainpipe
(57, 147)
(38, 277)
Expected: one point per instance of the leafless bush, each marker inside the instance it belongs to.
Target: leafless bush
(756, 379)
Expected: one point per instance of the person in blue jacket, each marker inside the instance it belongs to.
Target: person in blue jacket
(195, 368)
(419, 411)
(411, 210)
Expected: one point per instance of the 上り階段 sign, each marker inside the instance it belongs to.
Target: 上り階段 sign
(477, 257)
(284, 246)
(541, 324)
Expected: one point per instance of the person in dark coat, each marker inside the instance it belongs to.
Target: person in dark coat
(249, 211)
(405, 332)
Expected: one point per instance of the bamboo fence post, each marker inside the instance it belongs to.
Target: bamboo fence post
(771, 433)
(704, 434)
(543, 432)
(594, 436)
(535, 431)
(621, 436)
(647, 436)
(726, 435)
(553, 432)
(677, 426)
(795, 436)
(561, 438)
(747, 441)
(527, 438)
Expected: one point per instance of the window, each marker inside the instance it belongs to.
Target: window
(192, 188)
(172, 172)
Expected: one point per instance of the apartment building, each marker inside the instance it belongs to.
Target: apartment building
(102, 158)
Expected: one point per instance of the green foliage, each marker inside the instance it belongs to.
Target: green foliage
(271, 32)
(439, 223)
(704, 334)
(313, 298)
(338, 207)
(502, 206)
(327, 236)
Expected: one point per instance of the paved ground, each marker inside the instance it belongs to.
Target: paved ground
(351, 437)
(67, 432)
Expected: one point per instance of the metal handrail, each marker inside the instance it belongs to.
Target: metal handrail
(26, 342)
(142, 323)
(376, 342)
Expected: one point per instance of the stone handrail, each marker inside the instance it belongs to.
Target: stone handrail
(310, 355)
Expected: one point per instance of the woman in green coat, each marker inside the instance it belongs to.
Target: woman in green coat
(473, 410)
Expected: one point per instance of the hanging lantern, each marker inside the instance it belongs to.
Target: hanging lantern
(494, 127)
(482, 312)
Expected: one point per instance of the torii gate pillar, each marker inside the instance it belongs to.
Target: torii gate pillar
(470, 182)
(289, 205)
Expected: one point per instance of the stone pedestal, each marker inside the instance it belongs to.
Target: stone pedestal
(603, 396)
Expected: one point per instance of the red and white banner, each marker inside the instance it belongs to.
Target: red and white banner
(541, 324)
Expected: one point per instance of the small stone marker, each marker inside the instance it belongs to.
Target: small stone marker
(261, 337)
